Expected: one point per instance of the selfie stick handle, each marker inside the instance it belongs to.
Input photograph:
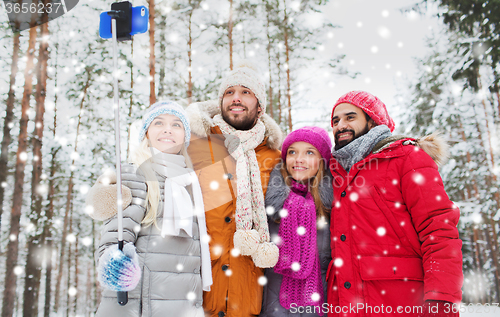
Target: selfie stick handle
(122, 296)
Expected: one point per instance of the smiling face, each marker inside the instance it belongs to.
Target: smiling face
(302, 161)
(240, 107)
(166, 134)
(349, 123)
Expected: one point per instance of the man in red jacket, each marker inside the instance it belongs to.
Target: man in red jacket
(395, 244)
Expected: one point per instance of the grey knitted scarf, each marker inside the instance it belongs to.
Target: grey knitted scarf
(360, 147)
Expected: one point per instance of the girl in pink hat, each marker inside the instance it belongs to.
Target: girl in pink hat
(298, 200)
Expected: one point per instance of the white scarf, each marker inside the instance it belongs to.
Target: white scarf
(178, 210)
(250, 211)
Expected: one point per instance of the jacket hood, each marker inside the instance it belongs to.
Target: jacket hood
(278, 191)
(201, 116)
(433, 144)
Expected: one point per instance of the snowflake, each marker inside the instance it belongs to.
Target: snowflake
(71, 238)
(235, 252)
(18, 270)
(217, 250)
(214, 185)
(315, 297)
(72, 291)
(381, 231)
(295, 266)
(180, 267)
(229, 272)
(262, 280)
(270, 210)
(301, 231)
(283, 213)
(418, 178)
(191, 296)
(354, 197)
(276, 239)
(89, 209)
(338, 262)
(87, 241)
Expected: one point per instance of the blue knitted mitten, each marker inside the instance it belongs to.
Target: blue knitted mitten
(119, 271)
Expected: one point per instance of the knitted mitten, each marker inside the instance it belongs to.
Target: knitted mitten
(119, 271)
(438, 308)
(102, 197)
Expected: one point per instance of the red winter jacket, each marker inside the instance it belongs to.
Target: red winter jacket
(394, 234)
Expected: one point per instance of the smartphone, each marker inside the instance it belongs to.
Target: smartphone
(139, 19)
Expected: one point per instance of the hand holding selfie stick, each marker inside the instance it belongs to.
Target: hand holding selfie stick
(131, 21)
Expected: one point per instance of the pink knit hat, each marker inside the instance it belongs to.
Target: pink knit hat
(370, 104)
(315, 136)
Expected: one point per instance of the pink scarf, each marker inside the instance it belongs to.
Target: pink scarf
(298, 251)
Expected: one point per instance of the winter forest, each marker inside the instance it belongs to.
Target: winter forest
(56, 93)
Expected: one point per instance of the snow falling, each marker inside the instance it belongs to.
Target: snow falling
(450, 87)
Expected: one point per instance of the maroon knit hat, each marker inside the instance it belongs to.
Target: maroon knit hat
(370, 104)
(315, 136)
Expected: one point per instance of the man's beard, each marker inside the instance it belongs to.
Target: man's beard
(244, 125)
(341, 144)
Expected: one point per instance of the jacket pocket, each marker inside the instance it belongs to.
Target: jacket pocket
(392, 285)
(395, 225)
(389, 268)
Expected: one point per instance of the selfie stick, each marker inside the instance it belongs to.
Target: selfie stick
(122, 296)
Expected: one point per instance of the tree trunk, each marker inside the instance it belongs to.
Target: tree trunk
(162, 25)
(8, 120)
(269, 43)
(230, 34)
(69, 197)
(69, 300)
(9, 293)
(152, 61)
(190, 61)
(35, 252)
(280, 107)
(288, 83)
(47, 235)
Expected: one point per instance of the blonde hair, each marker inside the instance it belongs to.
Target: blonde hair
(313, 187)
(142, 159)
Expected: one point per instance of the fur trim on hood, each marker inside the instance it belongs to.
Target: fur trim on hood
(433, 144)
(201, 115)
(436, 146)
(278, 191)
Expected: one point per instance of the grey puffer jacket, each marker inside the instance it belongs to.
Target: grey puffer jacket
(277, 192)
(170, 265)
